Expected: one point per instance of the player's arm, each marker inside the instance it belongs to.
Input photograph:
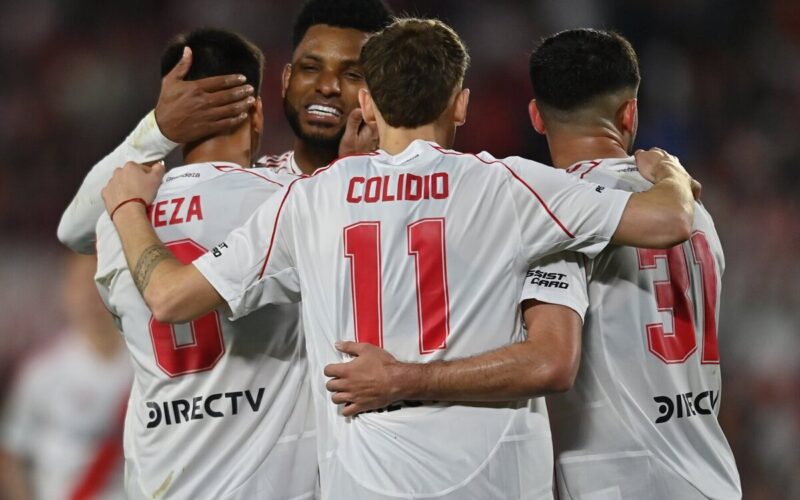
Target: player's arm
(174, 292)
(661, 217)
(186, 111)
(557, 212)
(546, 362)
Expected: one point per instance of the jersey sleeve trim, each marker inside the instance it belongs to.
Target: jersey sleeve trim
(518, 178)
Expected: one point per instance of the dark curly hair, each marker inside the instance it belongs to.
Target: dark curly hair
(215, 52)
(368, 16)
(571, 68)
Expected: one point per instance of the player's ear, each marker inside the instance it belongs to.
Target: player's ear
(256, 128)
(627, 116)
(257, 116)
(536, 117)
(285, 77)
(460, 109)
(367, 106)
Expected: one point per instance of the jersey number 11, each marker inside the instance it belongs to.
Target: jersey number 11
(426, 245)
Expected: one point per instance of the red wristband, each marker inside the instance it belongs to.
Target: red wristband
(137, 200)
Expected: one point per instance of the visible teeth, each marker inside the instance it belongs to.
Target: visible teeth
(318, 109)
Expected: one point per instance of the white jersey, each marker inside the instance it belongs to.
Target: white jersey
(424, 254)
(641, 419)
(219, 409)
(65, 418)
(281, 164)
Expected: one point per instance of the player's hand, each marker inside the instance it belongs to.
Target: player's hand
(363, 383)
(359, 136)
(655, 163)
(131, 182)
(188, 111)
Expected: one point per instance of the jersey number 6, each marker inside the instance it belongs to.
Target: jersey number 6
(206, 346)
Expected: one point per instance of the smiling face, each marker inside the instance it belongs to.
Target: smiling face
(320, 87)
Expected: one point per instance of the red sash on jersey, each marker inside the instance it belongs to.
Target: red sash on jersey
(105, 461)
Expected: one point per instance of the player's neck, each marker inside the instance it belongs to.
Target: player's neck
(396, 140)
(310, 157)
(568, 149)
(233, 148)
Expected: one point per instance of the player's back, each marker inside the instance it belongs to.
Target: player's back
(641, 419)
(219, 409)
(420, 253)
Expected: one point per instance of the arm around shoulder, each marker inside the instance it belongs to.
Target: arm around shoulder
(547, 362)
(661, 217)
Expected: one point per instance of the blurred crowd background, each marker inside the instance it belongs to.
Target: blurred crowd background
(721, 89)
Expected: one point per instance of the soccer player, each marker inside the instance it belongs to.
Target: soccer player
(416, 248)
(320, 91)
(61, 432)
(219, 409)
(641, 420)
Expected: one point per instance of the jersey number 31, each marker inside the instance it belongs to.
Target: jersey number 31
(674, 294)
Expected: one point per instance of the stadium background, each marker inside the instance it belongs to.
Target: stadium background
(721, 89)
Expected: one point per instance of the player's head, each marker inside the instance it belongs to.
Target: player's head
(320, 86)
(221, 52)
(415, 71)
(585, 78)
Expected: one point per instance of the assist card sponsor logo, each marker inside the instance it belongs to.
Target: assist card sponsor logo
(547, 280)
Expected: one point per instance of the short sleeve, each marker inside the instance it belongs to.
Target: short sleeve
(254, 266)
(559, 212)
(558, 279)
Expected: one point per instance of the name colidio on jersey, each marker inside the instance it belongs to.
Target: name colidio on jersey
(686, 405)
(217, 405)
(403, 187)
(548, 280)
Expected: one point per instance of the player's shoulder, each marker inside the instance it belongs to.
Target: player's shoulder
(264, 177)
(616, 173)
(526, 171)
(518, 162)
(221, 175)
(344, 165)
